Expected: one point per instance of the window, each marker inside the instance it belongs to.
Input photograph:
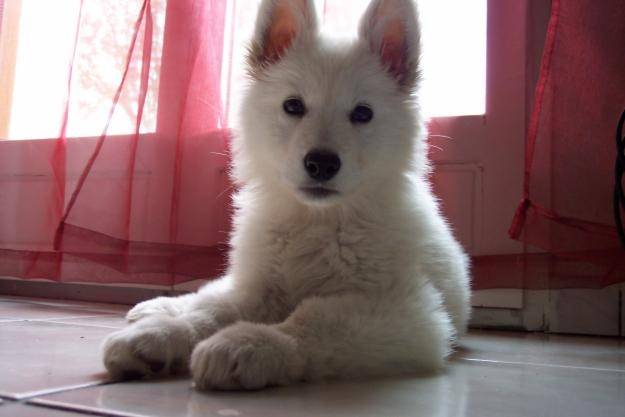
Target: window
(36, 49)
(37, 44)
(454, 49)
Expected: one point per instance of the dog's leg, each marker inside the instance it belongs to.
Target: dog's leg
(175, 306)
(160, 343)
(170, 306)
(340, 336)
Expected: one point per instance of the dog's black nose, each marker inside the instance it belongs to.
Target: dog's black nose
(322, 165)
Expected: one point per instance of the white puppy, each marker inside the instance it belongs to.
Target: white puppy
(341, 263)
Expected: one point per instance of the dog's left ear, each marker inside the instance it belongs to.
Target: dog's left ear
(280, 24)
(390, 28)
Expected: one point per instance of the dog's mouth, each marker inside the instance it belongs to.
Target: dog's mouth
(318, 192)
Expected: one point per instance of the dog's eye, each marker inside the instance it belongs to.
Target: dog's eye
(361, 114)
(294, 107)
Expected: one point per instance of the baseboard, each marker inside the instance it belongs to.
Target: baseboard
(117, 294)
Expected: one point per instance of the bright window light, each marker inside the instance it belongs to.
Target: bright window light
(43, 49)
(453, 61)
(453, 55)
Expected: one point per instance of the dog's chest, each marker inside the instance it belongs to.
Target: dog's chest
(321, 259)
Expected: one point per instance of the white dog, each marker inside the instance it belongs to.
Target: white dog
(341, 263)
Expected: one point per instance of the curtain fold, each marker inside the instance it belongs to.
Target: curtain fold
(566, 206)
(145, 200)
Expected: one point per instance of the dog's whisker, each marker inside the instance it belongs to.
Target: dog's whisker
(224, 192)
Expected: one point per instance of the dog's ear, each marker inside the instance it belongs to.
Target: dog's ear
(390, 28)
(280, 23)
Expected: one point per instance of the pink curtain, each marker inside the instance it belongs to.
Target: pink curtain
(146, 205)
(1, 13)
(566, 206)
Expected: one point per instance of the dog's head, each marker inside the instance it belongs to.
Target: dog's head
(326, 121)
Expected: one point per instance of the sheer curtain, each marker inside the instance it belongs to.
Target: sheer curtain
(114, 163)
(566, 206)
(121, 174)
(116, 167)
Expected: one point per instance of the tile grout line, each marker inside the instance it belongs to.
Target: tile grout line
(39, 400)
(70, 318)
(100, 326)
(82, 409)
(544, 365)
(29, 395)
(63, 320)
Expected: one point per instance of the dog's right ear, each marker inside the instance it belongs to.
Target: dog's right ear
(280, 24)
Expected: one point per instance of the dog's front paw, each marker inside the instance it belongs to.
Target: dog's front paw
(157, 345)
(159, 305)
(245, 355)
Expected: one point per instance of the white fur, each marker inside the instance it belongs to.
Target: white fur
(366, 282)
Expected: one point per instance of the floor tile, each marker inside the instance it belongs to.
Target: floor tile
(42, 356)
(55, 347)
(498, 389)
(395, 398)
(476, 389)
(541, 348)
(21, 410)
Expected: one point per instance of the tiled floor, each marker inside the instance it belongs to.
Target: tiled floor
(50, 366)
